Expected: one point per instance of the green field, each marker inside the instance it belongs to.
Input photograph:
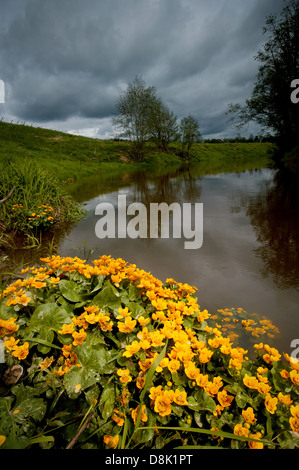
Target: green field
(67, 156)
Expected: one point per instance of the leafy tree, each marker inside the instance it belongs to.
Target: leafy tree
(189, 128)
(270, 104)
(163, 125)
(135, 107)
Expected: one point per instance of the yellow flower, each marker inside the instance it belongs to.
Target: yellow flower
(225, 348)
(202, 380)
(294, 376)
(159, 304)
(103, 322)
(135, 413)
(123, 312)
(143, 321)
(205, 355)
(119, 421)
(156, 338)
(214, 343)
(79, 337)
(140, 381)
(263, 388)
(285, 399)
(38, 284)
(240, 430)
(9, 325)
(163, 405)
(163, 364)
(19, 298)
(46, 362)
(132, 349)
(124, 376)
(255, 445)
(224, 399)
(284, 374)
(248, 415)
(272, 356)
(180, 397)
(67, 328)
(250, 382)
(173, 365)
(127, 326)
(294, 420)
(111, 442)
(11, 343)
(2, 440)
(191, 371)
(212, 388)
(271, 403)
(21, 352)
(155, 392)
(235, 363)
(66, 350)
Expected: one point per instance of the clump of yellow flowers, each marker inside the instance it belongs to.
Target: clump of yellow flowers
(142, 355)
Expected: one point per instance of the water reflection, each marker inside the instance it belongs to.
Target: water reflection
(171, 187)
(274, 215)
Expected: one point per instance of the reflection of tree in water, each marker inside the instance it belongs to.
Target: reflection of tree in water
(274, 216)
(178, 186)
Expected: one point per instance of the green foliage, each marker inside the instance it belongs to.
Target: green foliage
(37, 203)
(135, 107)
(190, 134)
(270, 104)
(112, 357)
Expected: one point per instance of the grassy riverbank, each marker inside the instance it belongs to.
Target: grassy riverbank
(67, 156)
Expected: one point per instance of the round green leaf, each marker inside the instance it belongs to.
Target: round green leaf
(49, 316)
(71, 290)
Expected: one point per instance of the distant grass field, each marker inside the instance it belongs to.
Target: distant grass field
(67, 156)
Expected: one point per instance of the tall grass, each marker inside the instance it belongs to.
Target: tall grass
(35, 193)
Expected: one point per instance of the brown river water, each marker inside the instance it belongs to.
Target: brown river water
(249, 257)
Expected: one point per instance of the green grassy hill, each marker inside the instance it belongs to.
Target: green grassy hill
(67, 156)
(63, 155)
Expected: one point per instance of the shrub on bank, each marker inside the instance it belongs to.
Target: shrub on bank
(107, 356)
(37, 202)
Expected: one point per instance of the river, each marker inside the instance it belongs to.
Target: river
(249, 257)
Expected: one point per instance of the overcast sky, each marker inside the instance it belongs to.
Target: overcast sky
(65, 62)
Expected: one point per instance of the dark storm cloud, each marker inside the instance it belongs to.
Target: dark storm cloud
(65, 60)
